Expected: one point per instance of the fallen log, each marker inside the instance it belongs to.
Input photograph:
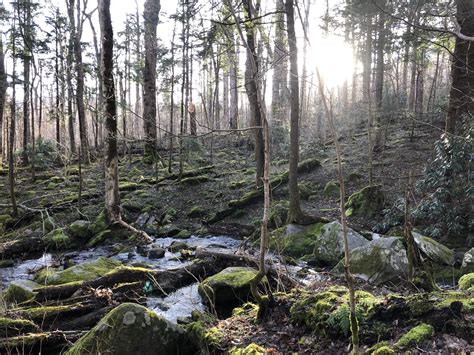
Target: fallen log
(34, 343)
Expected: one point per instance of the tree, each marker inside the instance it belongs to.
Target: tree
(76, 29)
(150, 15)
(112, 197)
(3, 93)
(461, 105)
(294, 212)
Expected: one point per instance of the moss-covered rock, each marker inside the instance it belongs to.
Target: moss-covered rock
(196, 211)
(57, 239)
(367, 202)
(294, 240)
(133, 329)
(416, 335)
(278, 214)
(227, 289)
(80, 230)
(183, 234)
(466, 282)
(20, 291)
(329, 247)
(82, 272)
(380, 261)
(176, 246)
(331, 189)
(434, 250)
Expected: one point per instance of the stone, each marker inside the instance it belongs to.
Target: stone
(20, 291)
(133, 329)
(379, 261)
(367, 202)
(331, 189)
(294, 240)
(467, 265)
(227, 289)
(57, 239)
(177, 246)
(434, 250)
(81, 272)
(156, 253)
(329, 247)
(466, 282)
(80, 229)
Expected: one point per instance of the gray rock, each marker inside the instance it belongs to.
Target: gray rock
(379, 261)
(156, 253)
(133, 329)
(434, 250)
(467, 265)
(329, 247)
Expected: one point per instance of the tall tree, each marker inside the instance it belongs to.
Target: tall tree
(76, 29)
(3, 93)
(461, 105)
(294, 212)
(150, 15)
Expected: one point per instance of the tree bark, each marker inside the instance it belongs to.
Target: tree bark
(70, 90)
(150, 15)
(461, 105)
(294, 212)
(233, 84)
(3, 93)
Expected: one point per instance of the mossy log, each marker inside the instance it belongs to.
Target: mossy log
(47, 343)
(25, 245)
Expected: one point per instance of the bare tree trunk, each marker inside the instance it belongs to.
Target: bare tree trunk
(70, 90)
(11, 140)
(379, 80)
(152, 9)
(280, 65)
(76, 29)
(294, 211)
(3, 93)
(234, 99)
(27, 54)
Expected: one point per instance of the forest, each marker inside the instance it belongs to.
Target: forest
(236, 177)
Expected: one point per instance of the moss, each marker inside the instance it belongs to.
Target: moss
(18, 344)
(20, 291)
(238, 184)
(246, 309)
(44, 312)
(132, 329)
(251, 349)
(278, 213)
(84, 272)
(295, 245)
(384, 350)
(43, 275)
(195, 180)
(196, 211)
(79, 229)
(416, 335)
(227, 289)
(100, 224)
(9, 326)
(331, 189)
(128, 186)
(367, 202)
(305, 190)
(246, 199)
(466, 282)
(57, 239)
(99, 238)
(183, 234)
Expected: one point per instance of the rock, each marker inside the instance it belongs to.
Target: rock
(466, 282)
(184, 234)
(434, 250)
(294, 240)
(80, 229)
(467, 265)
(196, 211)
(142, 219)
(20, 291)
(228, 289)
(367, 202)
(416, 336)
(169, 230)
(177, 246)
(81, 272)
(133, 329)
(329, 247)
(156, 253)
(331, 189)
(380, 261)
(57, 239)
(6, 263)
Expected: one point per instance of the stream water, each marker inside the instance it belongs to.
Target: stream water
(177, 304)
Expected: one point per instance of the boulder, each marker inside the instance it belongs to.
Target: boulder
(331, 189)
(20, 291)
(57, 239)
(133, 329)
(434, 250)
(80, 229)
(380, 261)
(177, 246)
(329, 247)
(228, 289)
(367, 202)
(80, 272)
(466, 282)
(156, 253)
(295, 240)
(467, 265)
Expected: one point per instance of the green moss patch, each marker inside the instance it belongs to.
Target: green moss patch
(416, 335)
(466, 282)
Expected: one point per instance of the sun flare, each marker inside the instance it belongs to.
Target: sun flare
(334, 60)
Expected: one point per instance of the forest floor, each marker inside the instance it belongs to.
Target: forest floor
(210, 199)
